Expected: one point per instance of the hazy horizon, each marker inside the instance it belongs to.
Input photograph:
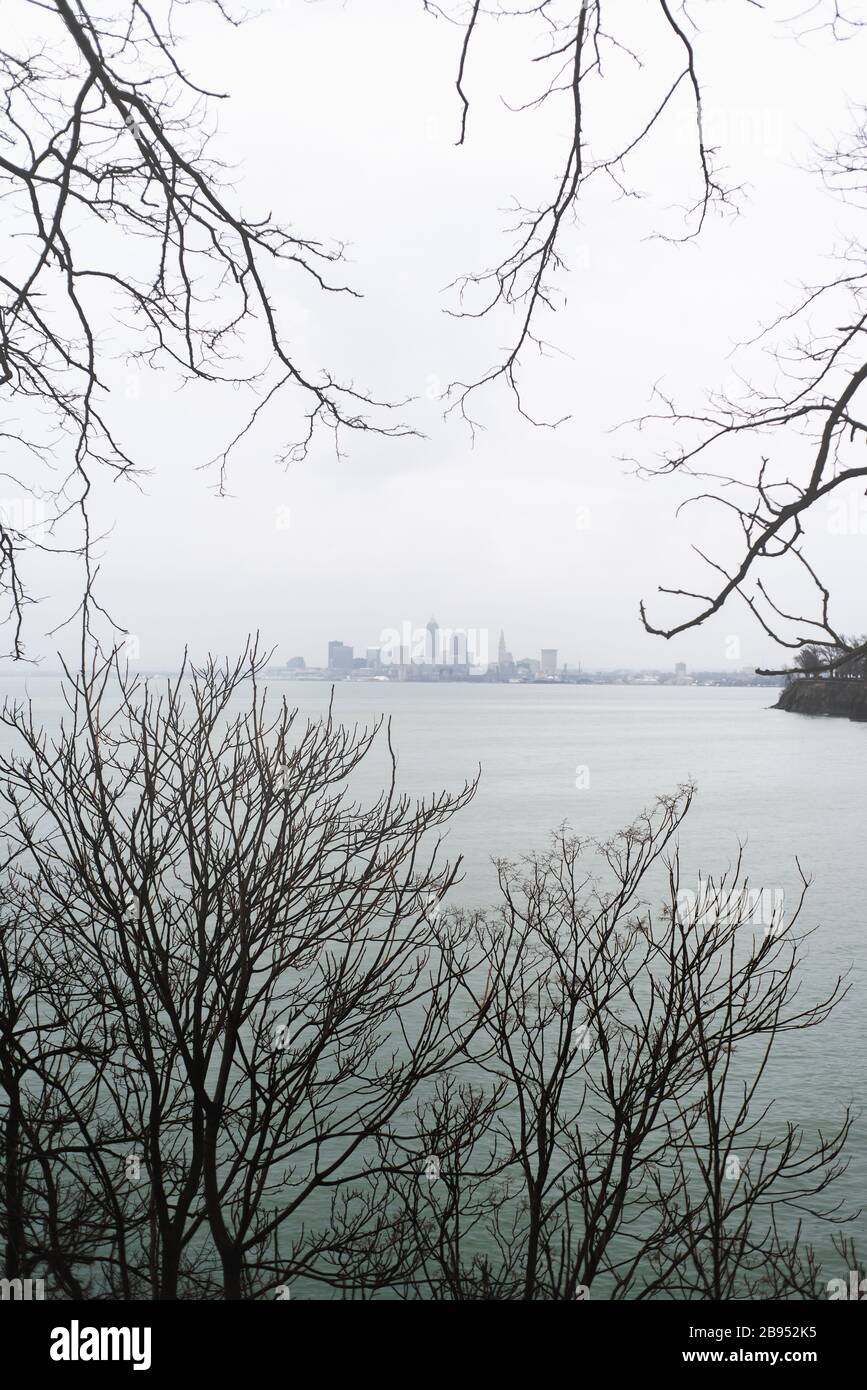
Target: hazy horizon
(544, 533)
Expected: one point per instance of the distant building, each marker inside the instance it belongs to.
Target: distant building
(680, 668)
(432, 644)
(296, 663)
(549, 661)
(372, 656)
(505, 660)
(339, 657)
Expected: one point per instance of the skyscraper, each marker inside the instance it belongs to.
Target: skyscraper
(339, 657)
(505, 660)
(549, 661)
(432, 653)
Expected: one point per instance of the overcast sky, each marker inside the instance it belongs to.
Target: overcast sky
(341, 122)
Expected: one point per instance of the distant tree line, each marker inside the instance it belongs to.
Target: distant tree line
(846, 663)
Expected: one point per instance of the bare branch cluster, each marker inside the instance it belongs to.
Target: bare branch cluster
(221, 977)
(582, 59)
(121, 218)
(243, 1043)
(781, 456)
(625, 1140)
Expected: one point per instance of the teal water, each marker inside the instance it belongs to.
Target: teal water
(785, 785)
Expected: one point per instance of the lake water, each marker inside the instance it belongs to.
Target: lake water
(784, 784)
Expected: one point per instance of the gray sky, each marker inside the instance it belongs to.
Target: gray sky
(342, 123)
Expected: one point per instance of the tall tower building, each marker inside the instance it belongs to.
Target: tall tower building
(433, 654)
(549, 661)
(505, 660)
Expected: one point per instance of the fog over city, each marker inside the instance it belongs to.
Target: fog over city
(342, 122)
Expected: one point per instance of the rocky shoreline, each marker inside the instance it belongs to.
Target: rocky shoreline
(844, 699)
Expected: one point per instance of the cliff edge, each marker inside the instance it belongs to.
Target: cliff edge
(846, 699)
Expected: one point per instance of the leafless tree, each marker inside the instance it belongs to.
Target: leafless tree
(242, 1043)
(584, 58)
(63, 1211)
(783, 457)
(586, 63)
(634, 1147)
(120, 218)
(598, 62)
(223, 977)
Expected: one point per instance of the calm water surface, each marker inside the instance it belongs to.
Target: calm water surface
(784, 784)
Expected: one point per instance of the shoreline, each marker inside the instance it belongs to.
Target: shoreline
(828, 697)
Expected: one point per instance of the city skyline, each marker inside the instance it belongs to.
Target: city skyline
(435, 652)
(575, 535)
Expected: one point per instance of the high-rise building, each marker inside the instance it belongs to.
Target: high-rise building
(432, 644)
(549, 661)
(458, 654)
(680, 668)
(372, 656)
(505, 660)
(339, 657)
